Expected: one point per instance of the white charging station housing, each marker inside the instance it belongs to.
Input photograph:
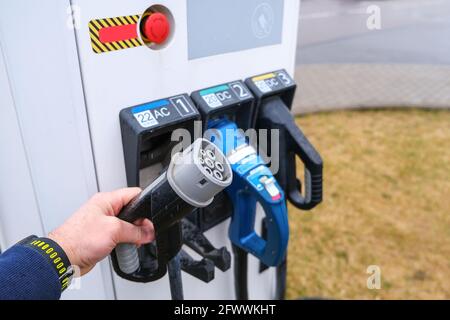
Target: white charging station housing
(60, 139)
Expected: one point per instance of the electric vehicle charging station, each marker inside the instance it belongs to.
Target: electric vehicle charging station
(61, 94)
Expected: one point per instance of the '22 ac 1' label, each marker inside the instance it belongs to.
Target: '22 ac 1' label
(225, 94)
(162, 111)
(272, 81)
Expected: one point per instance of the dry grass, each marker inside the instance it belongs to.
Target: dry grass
(386, 203)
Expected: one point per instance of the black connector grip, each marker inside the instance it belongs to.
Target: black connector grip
(274, 114)
(160, 204)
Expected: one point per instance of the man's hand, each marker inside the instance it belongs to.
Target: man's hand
(92, 232)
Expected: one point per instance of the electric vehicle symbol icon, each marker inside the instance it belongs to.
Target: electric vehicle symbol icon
(263, 20)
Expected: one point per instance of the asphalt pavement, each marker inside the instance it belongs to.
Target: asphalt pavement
(412, 32)
(341, 63)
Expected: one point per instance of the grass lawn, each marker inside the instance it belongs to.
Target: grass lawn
(386, 203)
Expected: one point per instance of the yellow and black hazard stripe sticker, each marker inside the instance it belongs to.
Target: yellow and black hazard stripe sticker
(111, 34)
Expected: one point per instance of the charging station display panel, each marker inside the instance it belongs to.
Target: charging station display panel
(217, 27)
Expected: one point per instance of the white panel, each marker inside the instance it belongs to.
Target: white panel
(41, 58)
(49, 102)
(17, 200)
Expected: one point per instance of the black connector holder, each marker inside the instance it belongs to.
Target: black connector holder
(146, 132)
(146, 140)
(277, 83)
(274, 94)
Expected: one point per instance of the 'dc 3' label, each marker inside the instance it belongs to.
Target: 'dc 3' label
(272, 81)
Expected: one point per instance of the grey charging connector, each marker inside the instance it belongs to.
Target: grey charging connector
(199, 173)
(192, 179)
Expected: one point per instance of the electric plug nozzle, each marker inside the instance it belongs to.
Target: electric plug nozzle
(199, 173)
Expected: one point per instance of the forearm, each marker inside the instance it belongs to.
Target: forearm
(41, 268)
(28, 273)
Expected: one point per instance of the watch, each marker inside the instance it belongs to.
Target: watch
(54, 254)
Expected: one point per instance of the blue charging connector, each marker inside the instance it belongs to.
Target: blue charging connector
(252, 183)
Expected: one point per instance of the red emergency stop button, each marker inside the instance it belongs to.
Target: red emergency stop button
(156, 28)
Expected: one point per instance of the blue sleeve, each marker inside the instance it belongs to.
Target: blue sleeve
(27, 275)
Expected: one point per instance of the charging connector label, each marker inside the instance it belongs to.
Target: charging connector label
(272, 81)
(262, 180)
(162, 111)
(226, 94)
